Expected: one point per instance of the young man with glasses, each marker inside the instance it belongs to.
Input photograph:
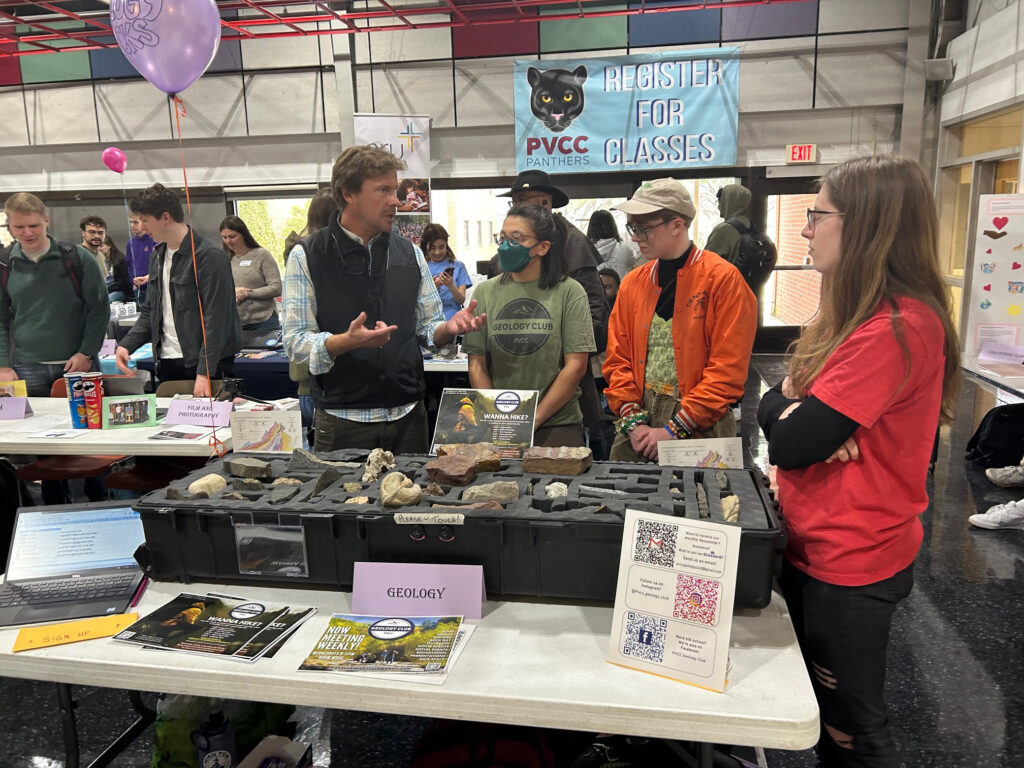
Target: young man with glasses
(358, 301)
(681, 331)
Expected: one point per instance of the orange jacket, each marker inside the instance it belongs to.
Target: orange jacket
(713, 326)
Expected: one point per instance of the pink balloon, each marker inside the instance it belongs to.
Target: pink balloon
(114, 159)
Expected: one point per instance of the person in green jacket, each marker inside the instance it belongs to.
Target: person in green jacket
(733, 203)
(52, 320)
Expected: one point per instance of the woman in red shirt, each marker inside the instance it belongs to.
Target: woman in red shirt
(851, 430)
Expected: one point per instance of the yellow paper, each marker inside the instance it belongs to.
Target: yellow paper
(13, 389)
(72, 631)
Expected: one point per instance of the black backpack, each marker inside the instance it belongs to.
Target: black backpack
(756, 257)
(999, 439)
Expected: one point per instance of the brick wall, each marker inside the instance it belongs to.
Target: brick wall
(796, 293)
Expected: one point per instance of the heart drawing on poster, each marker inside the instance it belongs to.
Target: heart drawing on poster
(1000, 221)
(989, 251)
(1016, 265)
(987, 287)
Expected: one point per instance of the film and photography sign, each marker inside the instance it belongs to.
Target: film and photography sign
(627, 113)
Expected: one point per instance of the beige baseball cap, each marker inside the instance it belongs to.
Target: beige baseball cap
(657, 195)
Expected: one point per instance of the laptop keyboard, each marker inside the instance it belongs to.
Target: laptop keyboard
(65, 590)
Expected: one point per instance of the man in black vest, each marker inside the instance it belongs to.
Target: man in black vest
(358, 300)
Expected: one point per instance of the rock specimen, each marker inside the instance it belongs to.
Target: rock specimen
(594, 490)
(245, 467)
(556, 490)
(731, 508)
(502, 490)
(234, 496)
(377, 463)
(722, 479)
(475, 505)
(557, 461)
(287, 481)
(304, 461)
(246, 484)
(283, 493)
(305, 493)
(176, 494)
(208, 484)
(397, 490)
(703, 510)
(452, 469)
(328, 478)
(486, 456)
(358, 500)
(433, 490)
(352, 487)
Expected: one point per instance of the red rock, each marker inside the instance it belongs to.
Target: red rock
(452, 470)
(487, 458)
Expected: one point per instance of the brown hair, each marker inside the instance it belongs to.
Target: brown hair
(358, 163)
(25, 203)
(433, 232)
(888, 248)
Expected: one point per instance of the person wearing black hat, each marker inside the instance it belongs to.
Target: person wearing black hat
(581, 261)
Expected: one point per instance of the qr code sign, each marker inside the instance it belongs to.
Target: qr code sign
(655, 543)
(697, 599)
(644, 637)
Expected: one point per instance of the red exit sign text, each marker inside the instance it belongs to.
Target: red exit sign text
(801, 153)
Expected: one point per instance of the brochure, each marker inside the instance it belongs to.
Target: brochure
(674, 598)
(205, 624)
(266, 431)
(266, 643)
(182, 432)
(465, 631)
(416, 644)
(706, 452)
(502, 417)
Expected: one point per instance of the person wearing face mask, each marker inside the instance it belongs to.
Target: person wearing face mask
(539, 333)
(450, 276)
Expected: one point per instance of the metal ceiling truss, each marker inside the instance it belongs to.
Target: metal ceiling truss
(30, 27)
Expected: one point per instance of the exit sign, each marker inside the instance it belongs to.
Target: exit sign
(801, 153)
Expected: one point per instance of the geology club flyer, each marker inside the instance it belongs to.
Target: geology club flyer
(503, 417)
(204, 624)
(353, 643)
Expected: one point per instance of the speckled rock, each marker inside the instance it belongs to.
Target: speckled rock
(556, 490)
(353, 487)
(502, 490)
(287, 481)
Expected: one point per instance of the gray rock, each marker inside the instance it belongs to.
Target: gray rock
(304, 461)
(305, 493)
(176, 494)
(283, 493)
(246, 467)
(502, 490)
(329, 477)
(246, 484)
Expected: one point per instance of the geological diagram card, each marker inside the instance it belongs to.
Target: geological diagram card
(673, 604)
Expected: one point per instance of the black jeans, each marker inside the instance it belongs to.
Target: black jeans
(174, 369)
(405, 436)
(844, 634)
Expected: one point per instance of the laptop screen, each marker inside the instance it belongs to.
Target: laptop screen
(55, 542)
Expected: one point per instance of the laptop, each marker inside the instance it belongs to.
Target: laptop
(70, 561)
(123, 385)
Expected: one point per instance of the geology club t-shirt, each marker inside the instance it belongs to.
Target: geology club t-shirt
(856, 522)
(528, 331)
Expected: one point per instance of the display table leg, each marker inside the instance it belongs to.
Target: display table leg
(69, 726)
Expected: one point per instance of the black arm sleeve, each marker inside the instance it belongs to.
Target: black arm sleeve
(809, 435)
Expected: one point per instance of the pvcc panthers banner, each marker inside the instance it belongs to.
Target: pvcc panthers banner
(627, 113)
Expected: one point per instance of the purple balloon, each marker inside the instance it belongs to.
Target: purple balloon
(170, 42)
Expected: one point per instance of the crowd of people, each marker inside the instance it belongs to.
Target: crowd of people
(850, 427)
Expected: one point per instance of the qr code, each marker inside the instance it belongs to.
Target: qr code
(697, 599)
(644, 637)
(655, 543)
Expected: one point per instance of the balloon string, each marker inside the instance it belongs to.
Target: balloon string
(179, 110)
(131, 235)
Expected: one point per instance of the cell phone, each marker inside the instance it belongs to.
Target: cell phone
(449, 270)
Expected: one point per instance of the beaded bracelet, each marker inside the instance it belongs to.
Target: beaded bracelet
(678, 428)
(627, 424)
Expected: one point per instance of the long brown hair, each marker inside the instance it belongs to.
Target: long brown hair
(888, 248)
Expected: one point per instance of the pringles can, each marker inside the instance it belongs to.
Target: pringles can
(76, 400)
(92, 383)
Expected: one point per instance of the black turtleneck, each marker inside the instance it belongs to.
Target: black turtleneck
(668, 269)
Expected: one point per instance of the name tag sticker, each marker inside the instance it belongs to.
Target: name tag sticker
(418, 589)
(246, 263)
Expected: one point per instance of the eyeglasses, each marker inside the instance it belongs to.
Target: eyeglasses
(515, 237)
(813, 216)
(640, 232)
(527, 200)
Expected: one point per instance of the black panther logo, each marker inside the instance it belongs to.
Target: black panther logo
(557, 96)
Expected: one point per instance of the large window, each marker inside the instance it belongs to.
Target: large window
(271, 220)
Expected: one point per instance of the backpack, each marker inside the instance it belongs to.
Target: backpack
(756, 257)
(999, 439)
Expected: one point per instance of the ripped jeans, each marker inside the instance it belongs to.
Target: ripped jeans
(844, 635)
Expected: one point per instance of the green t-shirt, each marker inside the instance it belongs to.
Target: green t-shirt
(529, 330)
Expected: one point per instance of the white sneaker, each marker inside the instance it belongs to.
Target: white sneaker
(1007, 477)
(1008, 515)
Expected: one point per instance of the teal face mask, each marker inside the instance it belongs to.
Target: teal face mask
(512, 256)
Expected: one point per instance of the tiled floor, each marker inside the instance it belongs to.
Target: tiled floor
(956, 666)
